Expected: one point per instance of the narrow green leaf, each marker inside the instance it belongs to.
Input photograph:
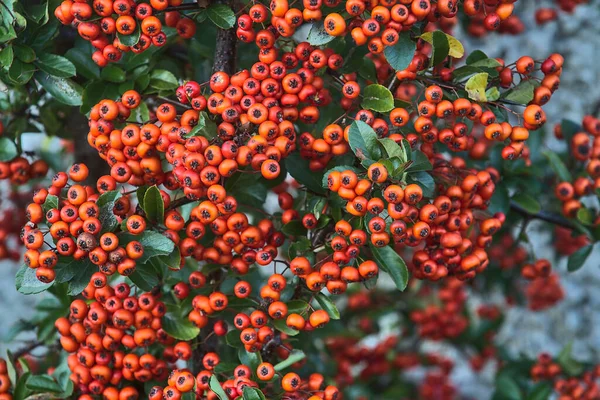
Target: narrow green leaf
(64, 90)
(558, 166)
(221, 15)
(578, 259)
(294, 357)
(363, 141)
(179, 328)
(327, 305)
(390, 262)
(528, 203)
(55, 65)
(154, 205)
(215, 386)
(252, 393)
(162, 79)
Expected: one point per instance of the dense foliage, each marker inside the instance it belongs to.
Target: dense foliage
(244, 195)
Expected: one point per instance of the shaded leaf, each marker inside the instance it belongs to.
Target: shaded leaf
(390, 262)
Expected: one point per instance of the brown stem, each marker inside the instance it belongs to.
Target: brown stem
(543, 216)
(225, 49)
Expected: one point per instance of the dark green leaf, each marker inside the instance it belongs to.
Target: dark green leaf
(420, 162)
(294, 228)
(400, 55)
(441, 48)
(294, 357)
(393, 149)
(281, 326)
(298, 168)
(507, 388)
(252, 360)
(145, 277)
(297, 306)
(424, 180)
(363, 141)
(569, 365)
(541, 391)
(179, 328)
(8, 149)
(106, 203)
(251, 393)
(522, 93)
(205, 127)
(82, 60)
(578, 259)
(367, 70)
(475, 56)
(113, 73)
(377, 98)
(7, 56)
(64, 90)
(43, 383)
(558, 166)
(154, 243)
(154, 205)
(527, 202)
(24, 53)
(130, 40)
(20, 72)
(221, 15)
(327, 305)
(55, 65)
(162, 79)
(390, 262)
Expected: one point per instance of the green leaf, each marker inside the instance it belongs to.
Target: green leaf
(327, 305)
(106, 203)
(294, 228)
(215, 386)
(476, 86)
(367, 70)
(221, 15)
(297, 306)
(294, 357)
(55, 65)
(85, 270)
(475, 56)
(318, 36)
(82, 60)
(486, 63)
(154, 243)
(130, 40)
(281, 326)
(558, 166)
(8, 149)
(20, 72)
(492, 94)
(162, 79)
(569, 365)
(400, 55)
(179, 328)
(440, 44)
(363, 141)
(24, 53)
(507, 388)
(298, 168)
(64, 90)
(393, 149)
(42, 383)
(523, 93)
(146, 277)
(541, 391)
(420, 162)
(578, 259)
(424, 180)
(113, 73)
(252, 360)
(252, 393)
(27, 283)
(154, 205)
(205, 127)
(390, 262)
(377, 98)
(7, 56)
(585, 216)
(527, 202)
(455, 47)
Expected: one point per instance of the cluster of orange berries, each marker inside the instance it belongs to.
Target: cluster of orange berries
(584, 147)
(74, 224)
(566, 243)
(584, 387)
(513, 259)
(544, 15)
(544, 289)
(20, 170)
(107, 24)
(108, 340)
(447, 320)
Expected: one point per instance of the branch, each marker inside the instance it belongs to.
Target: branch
(225, 49)
(27, 349)
(544, 216)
